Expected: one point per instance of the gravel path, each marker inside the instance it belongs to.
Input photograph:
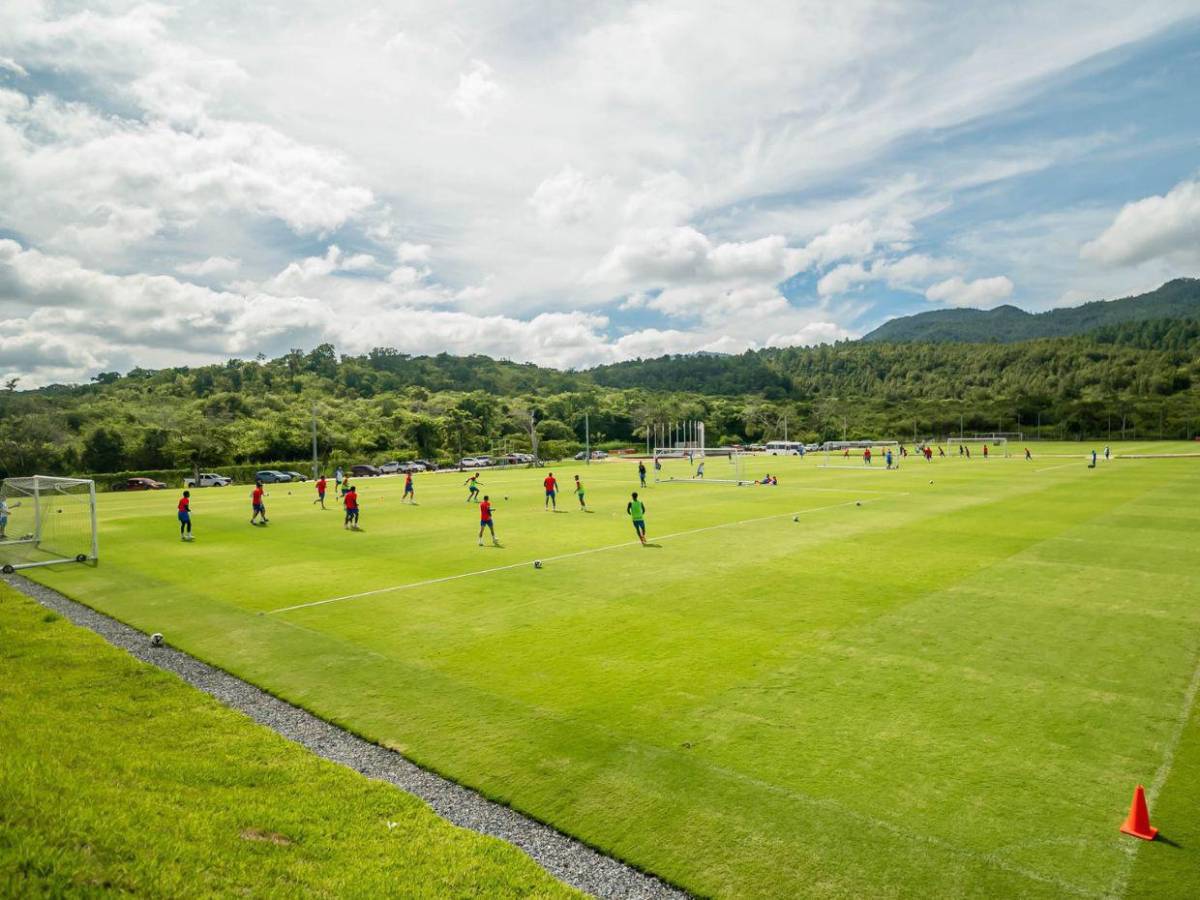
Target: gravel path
(561, 856)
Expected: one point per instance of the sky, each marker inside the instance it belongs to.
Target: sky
(574, 183)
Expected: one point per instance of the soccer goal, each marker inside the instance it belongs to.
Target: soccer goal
(855, 455)
(46, 520)
(700, 465)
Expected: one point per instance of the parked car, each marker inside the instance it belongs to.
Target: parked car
(391, 468)
(429, 464)
(207, 479)
(483, 460)
(297, 476)
(364, 471)
(272, 476)
(139, 484)
(411, 468)
(469, 462)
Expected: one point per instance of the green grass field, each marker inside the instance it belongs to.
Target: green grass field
(950, 689)
(116, 778)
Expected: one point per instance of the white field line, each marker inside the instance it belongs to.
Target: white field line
(561, 556)
(1060, 466)
(1131, 845)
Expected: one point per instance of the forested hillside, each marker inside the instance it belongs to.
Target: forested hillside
(1142, 376)
(1174, 300)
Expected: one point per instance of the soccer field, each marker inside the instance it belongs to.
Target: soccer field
(941, 680)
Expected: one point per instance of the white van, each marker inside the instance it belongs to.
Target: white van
(785, 448)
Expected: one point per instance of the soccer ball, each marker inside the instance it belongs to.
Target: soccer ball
(931, 481)
(60, 510)
(858, 503)
(537, 563)
(506, 496)
(795, 518)
(156, 639)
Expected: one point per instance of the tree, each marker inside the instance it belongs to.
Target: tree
(104, 451)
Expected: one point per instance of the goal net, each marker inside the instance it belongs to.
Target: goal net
(960, 446)
(46, 520)
(868, 455)
(700, 465)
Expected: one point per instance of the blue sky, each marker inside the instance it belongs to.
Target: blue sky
(574, 185)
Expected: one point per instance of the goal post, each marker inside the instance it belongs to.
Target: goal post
(853, 454)
(700, 465)
(45, 520)
(998, 443)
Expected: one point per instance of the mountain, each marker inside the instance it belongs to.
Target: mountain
(1178, 299)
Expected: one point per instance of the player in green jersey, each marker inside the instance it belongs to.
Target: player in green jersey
(636, 510)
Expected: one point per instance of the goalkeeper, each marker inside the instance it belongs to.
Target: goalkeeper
(5, 507)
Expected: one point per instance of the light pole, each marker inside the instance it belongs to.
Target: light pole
(314, 441)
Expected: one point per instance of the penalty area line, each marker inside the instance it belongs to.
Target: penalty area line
(494, 569)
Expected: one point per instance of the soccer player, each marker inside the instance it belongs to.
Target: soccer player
(636, 510)
(350, 501)
(344, 485)
(1093, 465)
(657, 467)
(5, 507)
(1106, 452)
(968, 449)
(941, 452)
(185, 516)
(888, 458)
(257, 505)
(551, 485)
(642, 472)
(472, 484)
(486, 521)
(337, 477)
(409, 494)
(961, 449)
(700, 470)
(321, 492)
(985, 451)
(1028, 455)
(579, 492)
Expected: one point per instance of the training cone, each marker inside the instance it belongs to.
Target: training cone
(1137, 822)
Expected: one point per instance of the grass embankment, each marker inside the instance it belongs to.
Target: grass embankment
(116, 777)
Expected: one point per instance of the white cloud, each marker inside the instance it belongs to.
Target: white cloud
(981, 292)
(413, 253)
(214, 265)
(1158, 227)
(10, 65)
(566, 198)
(477, 90)
(911, 272)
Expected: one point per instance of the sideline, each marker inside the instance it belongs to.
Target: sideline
(518, 565)
(1132, 845)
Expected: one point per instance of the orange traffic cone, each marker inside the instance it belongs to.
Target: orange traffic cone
(1137, 822)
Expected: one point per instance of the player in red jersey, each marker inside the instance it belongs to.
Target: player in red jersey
(409, 494)
(185, 516)
(321, 492)
(350, 501)
(486, 521)
(551, 485)
(256, 502)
